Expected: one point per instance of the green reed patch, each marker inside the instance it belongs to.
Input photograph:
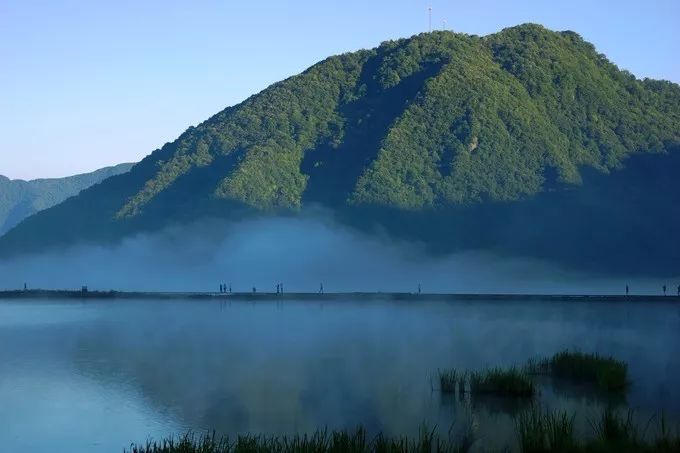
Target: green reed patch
(319, 442)
(448, 380)
(613, 428)
(502, 382)
(540, 431)
(604, 372)
(452, 380)
(547, 432)
(537, 430)
(496, 381)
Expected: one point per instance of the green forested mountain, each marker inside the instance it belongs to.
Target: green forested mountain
(20, 199)
(449, 138)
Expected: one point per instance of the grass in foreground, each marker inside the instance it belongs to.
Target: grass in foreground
(538, 431)
(547, 432)
(606, 373)
(319, 442)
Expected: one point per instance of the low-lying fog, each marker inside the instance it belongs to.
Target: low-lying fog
(94, 376)
(301, 253)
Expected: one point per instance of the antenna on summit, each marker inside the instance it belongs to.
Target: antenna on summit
(429, 14)
(444, 25)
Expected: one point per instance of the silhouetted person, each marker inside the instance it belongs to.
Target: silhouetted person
(321, 288)
(678, 290)
(281, 285)
(25, 287)
(221, 288)
(278, 288)
(419, 288)
(254, 290)
(664, 290)
(627, 290)
(230, 289)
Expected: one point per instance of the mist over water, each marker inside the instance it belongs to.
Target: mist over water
(301, 252)
(93, 376)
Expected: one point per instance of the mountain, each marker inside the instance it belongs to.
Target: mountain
(526, 141)
(20, 199)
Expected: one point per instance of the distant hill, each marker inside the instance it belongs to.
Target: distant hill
(504, 142)
(20, 199)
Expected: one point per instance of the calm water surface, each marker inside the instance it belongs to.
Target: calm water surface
(95, 376)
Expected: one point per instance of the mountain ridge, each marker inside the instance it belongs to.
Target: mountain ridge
(20, 198)
(434, 123)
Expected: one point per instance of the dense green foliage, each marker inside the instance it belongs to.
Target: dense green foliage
(495, 116)
(20, 199)
(441, 131)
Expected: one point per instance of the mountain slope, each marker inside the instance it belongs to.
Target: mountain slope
(448, 127)
(20, 199)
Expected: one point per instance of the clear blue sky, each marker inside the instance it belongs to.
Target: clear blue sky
(85, 84)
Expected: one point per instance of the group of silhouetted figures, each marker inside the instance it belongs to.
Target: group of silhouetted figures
(224, 288)
(279, 288)
(664, 288)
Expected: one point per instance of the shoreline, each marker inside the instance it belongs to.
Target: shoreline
(297, 296)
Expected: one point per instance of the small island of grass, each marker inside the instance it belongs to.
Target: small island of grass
(604, 372)
(496, 381)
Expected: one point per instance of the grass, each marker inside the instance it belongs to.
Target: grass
(613, 428)
(451, 380)
(538, 431)
(606, 373)
(538, 366)
(448, 380)
(497, 381)
(319, 442)
(546, 432)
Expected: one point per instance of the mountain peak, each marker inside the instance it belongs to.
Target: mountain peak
(435, 122)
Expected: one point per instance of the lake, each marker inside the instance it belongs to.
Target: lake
(94, 376)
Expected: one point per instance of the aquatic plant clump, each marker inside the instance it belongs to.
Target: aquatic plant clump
(448, 380)
(538, 366)
(319, 442)
(497, 381)
(606, 373)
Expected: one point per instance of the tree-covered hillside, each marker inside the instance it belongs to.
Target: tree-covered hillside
(440, 125)
(20, 199)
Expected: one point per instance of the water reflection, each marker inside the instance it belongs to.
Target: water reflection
(141, 368)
